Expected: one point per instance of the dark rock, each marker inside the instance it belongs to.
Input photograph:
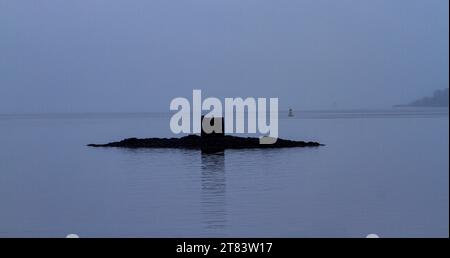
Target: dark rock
(209, 140)
(214, 144)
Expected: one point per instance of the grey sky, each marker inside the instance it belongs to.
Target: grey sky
(111, 55)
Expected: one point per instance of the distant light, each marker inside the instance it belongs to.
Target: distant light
(372, 236)
(72, 236)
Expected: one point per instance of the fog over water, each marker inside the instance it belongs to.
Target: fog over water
(122, 56)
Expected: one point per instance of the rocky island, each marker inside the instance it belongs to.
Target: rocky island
(197, 142)
(207, 142)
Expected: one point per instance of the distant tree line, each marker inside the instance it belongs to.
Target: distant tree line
(439, 99)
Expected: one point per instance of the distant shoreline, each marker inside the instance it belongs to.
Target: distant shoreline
(439, 99)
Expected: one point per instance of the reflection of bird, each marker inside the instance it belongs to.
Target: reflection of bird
(291, 112)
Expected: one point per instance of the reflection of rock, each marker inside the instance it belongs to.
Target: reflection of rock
(195, 142)
(213, 183)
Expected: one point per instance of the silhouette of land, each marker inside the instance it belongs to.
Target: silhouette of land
(439, 99)
(195, 142)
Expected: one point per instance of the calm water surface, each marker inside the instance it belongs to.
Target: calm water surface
(381, 171)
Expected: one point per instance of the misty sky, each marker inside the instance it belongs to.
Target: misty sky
(111, 55)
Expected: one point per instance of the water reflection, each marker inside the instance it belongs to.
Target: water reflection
(213, 190)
